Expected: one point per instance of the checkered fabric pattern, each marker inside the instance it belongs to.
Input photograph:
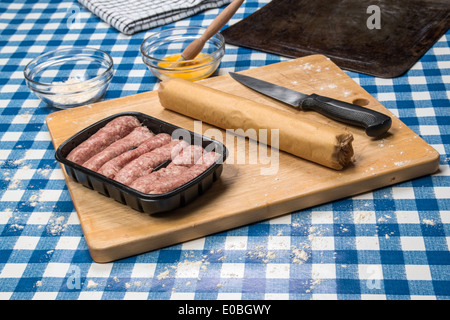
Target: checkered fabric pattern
(131, 16)
(392, 243)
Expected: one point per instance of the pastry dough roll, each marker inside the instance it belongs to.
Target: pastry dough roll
(307, 139)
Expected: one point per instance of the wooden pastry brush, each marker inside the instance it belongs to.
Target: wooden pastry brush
(194, 48)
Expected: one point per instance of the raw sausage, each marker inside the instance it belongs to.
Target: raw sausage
(145, 163)
(188, 156)
(146, 183)
(132, 140)
(174, 181)
(111, 132)
(113, 166)
(172, 177)
(207, 160)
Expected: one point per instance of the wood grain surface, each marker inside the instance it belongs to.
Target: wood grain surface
(244, 194)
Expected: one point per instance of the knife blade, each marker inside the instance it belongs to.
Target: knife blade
(374, 123)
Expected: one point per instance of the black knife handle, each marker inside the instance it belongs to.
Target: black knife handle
(374, 122)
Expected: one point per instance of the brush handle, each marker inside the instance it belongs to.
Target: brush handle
(194, 48)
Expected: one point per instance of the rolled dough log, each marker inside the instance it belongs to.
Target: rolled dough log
(307, 139)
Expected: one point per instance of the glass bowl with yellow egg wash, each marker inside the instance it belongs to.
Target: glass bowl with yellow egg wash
(70, 77)
(161, 52)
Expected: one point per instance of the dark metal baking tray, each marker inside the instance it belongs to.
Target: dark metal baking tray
(341, 31)
(148, 203)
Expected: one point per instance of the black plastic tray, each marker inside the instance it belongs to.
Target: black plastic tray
(148, 203)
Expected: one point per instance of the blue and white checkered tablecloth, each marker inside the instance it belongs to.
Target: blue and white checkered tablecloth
(392, 243)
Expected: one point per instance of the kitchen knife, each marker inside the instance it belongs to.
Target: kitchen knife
(375, 123)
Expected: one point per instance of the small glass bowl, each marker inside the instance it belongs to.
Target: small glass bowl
(72, 77)
(161, 51)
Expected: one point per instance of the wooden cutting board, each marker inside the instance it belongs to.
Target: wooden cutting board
(244, 195)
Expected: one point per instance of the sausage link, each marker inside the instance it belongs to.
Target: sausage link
(188, 156)
(113, 166)
(145, 163)
(206, 161)
(132, 140)
(170, 182)
(111, 132)
(146, 183)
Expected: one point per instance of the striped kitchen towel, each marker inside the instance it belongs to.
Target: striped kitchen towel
(132, 16)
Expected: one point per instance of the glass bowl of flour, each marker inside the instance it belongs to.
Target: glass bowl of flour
(70, 77)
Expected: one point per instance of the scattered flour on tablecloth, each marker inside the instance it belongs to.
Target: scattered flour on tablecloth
(260, 252)
(92, 284)
(56, 225)
(363, 216)
(302, 252)
(299, 254)
(429, 222)
(164, 275)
